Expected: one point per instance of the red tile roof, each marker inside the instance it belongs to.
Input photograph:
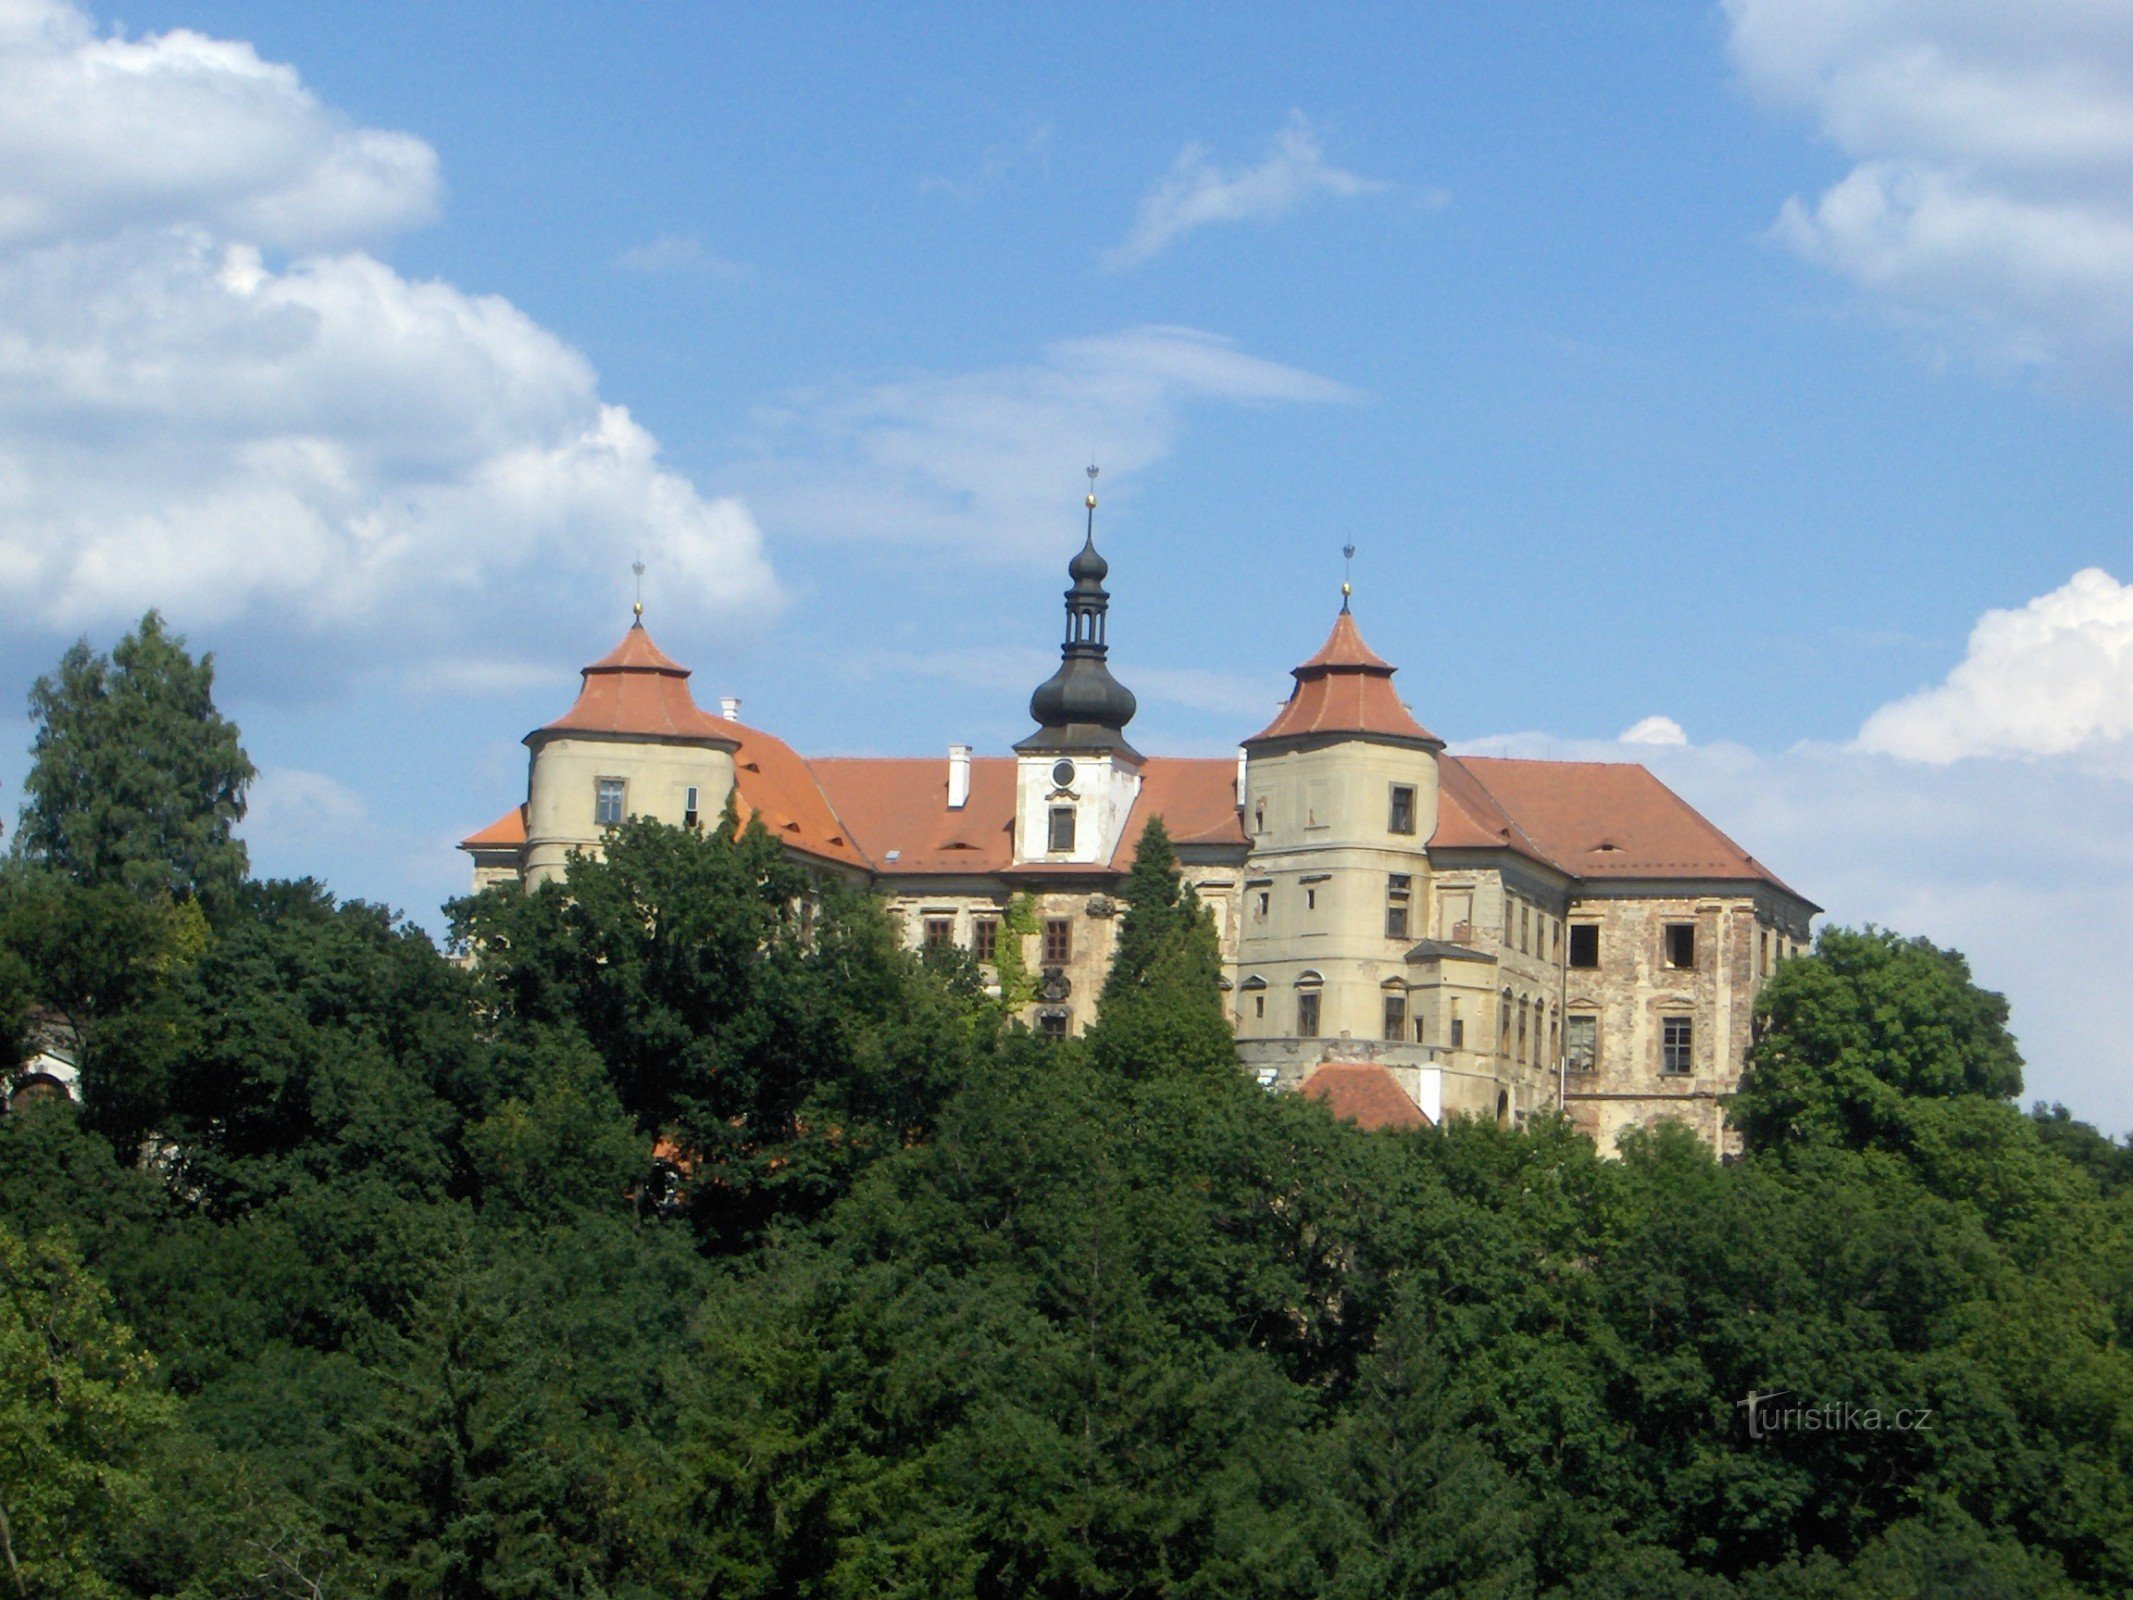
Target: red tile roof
(507, 832)
(776, 785)
(637, 689)
(1345, 688)
(1364, 1093)
(1610, 819)
(900, 804)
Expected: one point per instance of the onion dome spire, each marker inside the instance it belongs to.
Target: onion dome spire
(1081, 706)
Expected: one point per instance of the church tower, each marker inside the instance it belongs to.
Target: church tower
(1076, 777)
(1340, 800)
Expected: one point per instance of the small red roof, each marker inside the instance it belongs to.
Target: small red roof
(1345, 688)
(507, 832)
(1364, 1093)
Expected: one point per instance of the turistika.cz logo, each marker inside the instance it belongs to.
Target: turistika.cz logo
(1767, 1417)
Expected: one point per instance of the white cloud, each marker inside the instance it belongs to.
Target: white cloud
(678, 253)
(100, 133)
(2054, 677)
(1655, 730)
(1993, 183)
(1197, 192)
(988, 462)
(316, 446)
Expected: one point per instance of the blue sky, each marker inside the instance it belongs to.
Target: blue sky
(1759, 368)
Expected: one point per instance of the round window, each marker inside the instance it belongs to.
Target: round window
(1062, 774)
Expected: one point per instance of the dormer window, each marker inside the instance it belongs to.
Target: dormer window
(608, 794)
(1061, 836)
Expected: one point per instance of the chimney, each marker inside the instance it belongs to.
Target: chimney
(958, 776)
(1243, 759)
(729, 707)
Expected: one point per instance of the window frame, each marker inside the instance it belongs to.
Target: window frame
(1060, 820)
(1310, 1015)
(985, 940)
(1401, 805)
(1399, 901)
(1058, 941)
(1584, 932)
(1394, 1017)
(621, 796)
(1672, 1049)
(1590, 1022)
(936, 932)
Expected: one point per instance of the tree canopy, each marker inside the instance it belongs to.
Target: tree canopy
(352, 1277)
(136, 778)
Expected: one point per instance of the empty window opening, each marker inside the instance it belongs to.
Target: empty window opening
(1395, 1018)
(1584, 944)
(1681, 944)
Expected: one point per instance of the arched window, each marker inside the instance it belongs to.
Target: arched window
(1522, 1033)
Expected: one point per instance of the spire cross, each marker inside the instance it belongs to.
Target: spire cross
(637, 609)
(1091, 503)
(1347, 574)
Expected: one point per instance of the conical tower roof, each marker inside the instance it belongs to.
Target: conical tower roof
(1345, 689)
(638, 691)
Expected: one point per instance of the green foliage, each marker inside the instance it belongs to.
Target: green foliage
(1858, 1036)
(77, 1414)
(1018, 985)
(1161, 1008)
(137, 779)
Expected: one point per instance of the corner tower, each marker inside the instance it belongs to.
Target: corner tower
(1340, 800)
(635, 744)
(1076, 777)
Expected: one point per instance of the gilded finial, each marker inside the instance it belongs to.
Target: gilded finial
(1347, 574)
(637, 607)
(1092, 489)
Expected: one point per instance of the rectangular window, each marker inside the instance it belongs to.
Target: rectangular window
(1403, 809)
(1058, 941)
(1062, 834)
(1395, 1018)
(1584, 944)
(985, 939)
(1307, 1014)
(1310, 899)
(1259, 904)
(1581, 1042)
(1052, 1024)
(1399, 890)
(1525, 929)
(607, 802)
(689, 815)
(940, 932)
(1681, 944)
(1258, 1005)
(1763, 956)
(1421, 1029)
(1677, 1049)
(1458, 1039)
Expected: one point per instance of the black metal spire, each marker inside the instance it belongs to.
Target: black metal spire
(1081, 706)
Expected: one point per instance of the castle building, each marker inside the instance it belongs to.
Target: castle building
(1406, 934)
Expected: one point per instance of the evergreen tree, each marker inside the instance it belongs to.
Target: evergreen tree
(137, 779)
(1161, 1008)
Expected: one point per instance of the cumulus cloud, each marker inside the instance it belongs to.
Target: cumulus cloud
(1197, 192)
(200, 409)
(100, 133)
(1993, 151)
(1655, 730)
(2054, 677)
(984, 462)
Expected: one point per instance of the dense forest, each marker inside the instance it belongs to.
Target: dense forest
(696, 1239)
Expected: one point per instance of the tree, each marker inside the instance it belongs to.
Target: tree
(137, 779)
(1856, 1034)
(76, 1413)
(1161, 1008)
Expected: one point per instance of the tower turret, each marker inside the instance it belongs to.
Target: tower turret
(1077, 777)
